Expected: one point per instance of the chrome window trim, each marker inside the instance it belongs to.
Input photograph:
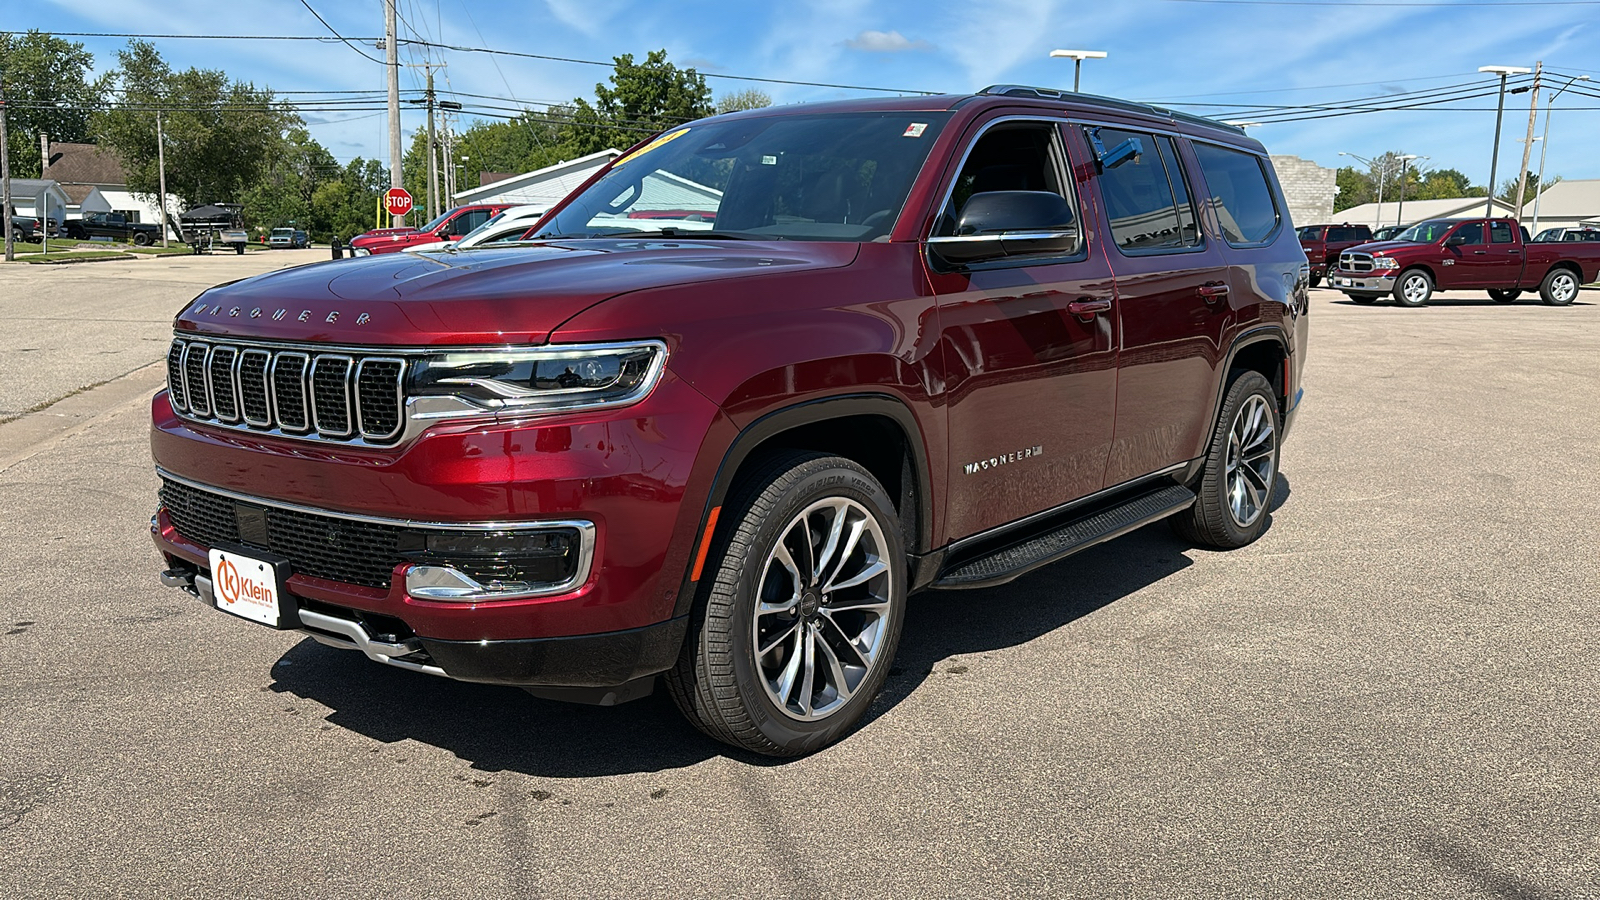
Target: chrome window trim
(399, 399)
(586, 536)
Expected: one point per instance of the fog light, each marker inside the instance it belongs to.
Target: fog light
(475, 566)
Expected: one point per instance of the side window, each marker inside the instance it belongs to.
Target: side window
(1240, 194)
(1023, 156)
(1146, 197)
(1472, 232)
(1500, 233)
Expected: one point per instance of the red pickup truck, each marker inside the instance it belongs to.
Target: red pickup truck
(453, 224)
(1324, 243)
(1465, 254)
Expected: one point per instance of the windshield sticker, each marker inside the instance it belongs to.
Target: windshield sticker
(769, 160)
(660, 141)
(915, 129)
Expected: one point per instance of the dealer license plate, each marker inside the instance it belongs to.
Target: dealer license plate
(247, 587)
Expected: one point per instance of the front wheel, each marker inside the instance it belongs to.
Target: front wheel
(1241, 469)
(1504, 296)
(1315, 279)
(141, 240)
(1413, 289)
(799, 611)
(1559, 288)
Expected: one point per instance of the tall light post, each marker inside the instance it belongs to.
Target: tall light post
(1500, 114)
(1399, 217)
(1078, 56)
(1381, 165)
(1545, 148)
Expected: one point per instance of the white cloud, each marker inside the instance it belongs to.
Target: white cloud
(885, 42)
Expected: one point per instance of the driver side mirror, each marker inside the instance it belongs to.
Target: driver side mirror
(1455, 240)
(996, 224)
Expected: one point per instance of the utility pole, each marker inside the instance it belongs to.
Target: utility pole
(433, 162)
(44, 196)
(1499, 116)
(391, 53)
(161, 166)
(5, 177)
(1544, 148)
(1527, 148)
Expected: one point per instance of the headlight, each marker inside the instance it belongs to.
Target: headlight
(1384, 262)
(544, 379)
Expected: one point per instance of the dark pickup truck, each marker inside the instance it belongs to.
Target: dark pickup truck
(1465, 254)
(112, 225)
(1324, 243)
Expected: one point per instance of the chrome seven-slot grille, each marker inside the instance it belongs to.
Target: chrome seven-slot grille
(293, 390)
(1355, 262)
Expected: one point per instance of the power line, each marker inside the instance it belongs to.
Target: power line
(1392, 3)
(337, 34)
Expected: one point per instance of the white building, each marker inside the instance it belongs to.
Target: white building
(1390, 212)
(40, 198)
(96, 182)
(1566, 203)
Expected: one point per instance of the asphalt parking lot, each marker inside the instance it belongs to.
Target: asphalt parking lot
(1391, 694)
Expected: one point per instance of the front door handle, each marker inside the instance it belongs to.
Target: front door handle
(1480, 253)
(1213, 291)
(1089, 307)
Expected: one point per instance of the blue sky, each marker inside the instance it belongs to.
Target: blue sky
(1160, 51)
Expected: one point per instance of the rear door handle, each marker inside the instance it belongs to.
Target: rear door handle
(1089, 307)
(1213, 292)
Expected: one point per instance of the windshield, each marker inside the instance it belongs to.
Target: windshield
(839, 177)
(507, 222)
(1549, 234)
(434, 225)
(1426, 232)
(282, 232)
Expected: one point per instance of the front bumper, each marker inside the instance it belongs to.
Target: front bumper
(1362, 282)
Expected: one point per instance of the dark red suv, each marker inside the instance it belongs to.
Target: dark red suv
(877, 347)
(449, 226)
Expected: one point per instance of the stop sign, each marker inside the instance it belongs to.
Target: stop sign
(397, 201)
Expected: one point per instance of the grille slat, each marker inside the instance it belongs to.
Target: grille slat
(288, 390)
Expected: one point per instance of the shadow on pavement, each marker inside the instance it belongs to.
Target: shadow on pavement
(503, 729)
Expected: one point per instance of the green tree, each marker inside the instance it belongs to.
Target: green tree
(1355, 188)
(221, 136)
(749, 98)
(283, 194)
(1530, 188)
(641, 98)
(48, 91)
(1443, 184)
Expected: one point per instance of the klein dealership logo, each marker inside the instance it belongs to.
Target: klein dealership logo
(277, 315)
(1004, 459)
(235, 588)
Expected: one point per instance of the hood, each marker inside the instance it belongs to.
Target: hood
(1384, 246)
(513, 295)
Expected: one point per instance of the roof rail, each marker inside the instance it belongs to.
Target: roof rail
(1044, 93)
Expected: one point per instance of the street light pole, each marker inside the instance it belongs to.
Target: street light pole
(1545, 148)
(1078, 56)
(1381, 166)
(1399, 216)
(1499, 116)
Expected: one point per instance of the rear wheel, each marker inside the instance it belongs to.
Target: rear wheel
(1413, 288)
(1315, 279)
(1241, 469)
(141, 239)
(1504, 296)
(800, 610)
(1559, 288)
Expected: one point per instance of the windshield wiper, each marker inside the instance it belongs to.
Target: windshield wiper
(686, 234)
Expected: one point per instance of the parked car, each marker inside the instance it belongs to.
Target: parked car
(1466, 254)
(930, 343)
(213, 226)
(112, 225)
(25, 228)
(453, 225)
(1324, 243)
(503, 227)
(1579, 233)
(287, 239)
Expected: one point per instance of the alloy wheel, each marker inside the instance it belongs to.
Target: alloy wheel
(822, 608)
(1563, 288)
(1251, 461)
(1415, 288)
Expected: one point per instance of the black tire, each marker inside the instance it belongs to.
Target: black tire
(238, 249)
(1212, 521)
(1315, 279)
(1559, 288)
(1422, 288)
(140, 239)
(719, 682)
(1364, 299)
(1504, 296)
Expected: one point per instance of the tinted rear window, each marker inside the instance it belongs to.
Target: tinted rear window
(1239, 192)
(1146, 197)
